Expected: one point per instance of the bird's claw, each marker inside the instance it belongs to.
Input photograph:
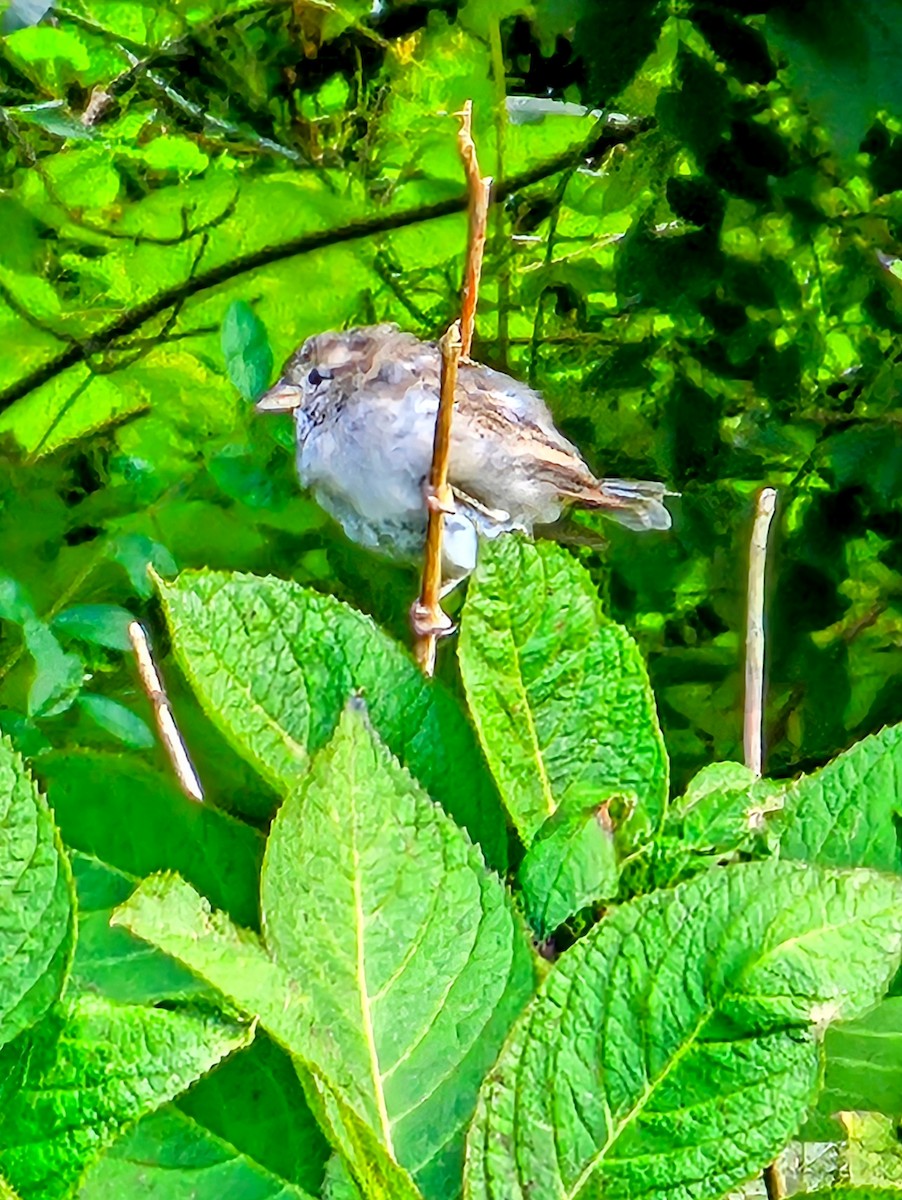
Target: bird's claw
(429, 622)
(440, 499)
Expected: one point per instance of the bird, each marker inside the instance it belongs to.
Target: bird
(364, 403)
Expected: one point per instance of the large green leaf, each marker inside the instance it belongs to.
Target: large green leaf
(864, 1062)
(37, 900)
(71, 1085)
(411, 952)
(274, 664)
(846, 814)
(674, 1050)
(170, 1157)
(559, 693)
(168, 913)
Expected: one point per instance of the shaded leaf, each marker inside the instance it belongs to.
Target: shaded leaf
(864, 1062)
(102, 624)
(169, 1155)
(115, 718)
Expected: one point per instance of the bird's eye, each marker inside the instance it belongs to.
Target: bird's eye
(315, 378)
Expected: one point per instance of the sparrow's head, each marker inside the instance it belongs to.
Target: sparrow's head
(309, 372)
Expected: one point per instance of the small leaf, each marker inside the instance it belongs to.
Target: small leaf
(58, 676)
(115, 718)
(559, 694)
(101, 624)
(571, 863)
(15, 604)
(674, 1050)
(135, 553)
(72, 1084)
(246, 348)
(37, 899)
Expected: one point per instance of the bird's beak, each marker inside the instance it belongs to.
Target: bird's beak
(281, 397)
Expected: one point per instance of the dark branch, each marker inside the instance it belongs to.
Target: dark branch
(606, 134)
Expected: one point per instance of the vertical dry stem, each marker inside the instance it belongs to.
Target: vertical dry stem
(428, 619)
(753, 716)
(168, 730)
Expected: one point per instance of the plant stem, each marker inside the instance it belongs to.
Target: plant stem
(169, 734)
(428, 620)
(753, 715)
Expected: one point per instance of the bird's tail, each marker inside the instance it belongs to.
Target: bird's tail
(635, 503)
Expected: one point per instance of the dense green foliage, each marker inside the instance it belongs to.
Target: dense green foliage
(706, 290)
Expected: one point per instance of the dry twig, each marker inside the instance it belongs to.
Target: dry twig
(169, 734)
(753, 715)
(429, 621)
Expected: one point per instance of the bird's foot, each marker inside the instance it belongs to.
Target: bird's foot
(430, 622)
(439, 499)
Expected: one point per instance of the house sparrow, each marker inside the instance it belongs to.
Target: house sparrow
(364, 404)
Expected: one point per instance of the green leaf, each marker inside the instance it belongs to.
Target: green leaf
(571, 863)
(58, 676)
(864, 1062)
(559, 694)
(273, 665)
(135, 553)
(167, 1156)
(110, 961)
(37, 900)
(247, 350)
(854, 1193)
(377, 1175)
(724, 809)
(55, 55)
(412, 954)
(86, 1073)
(15, 604)
(255, 1102)
(846, 814)
(130, 817)
(115, 718)
(673, 1050)
(102, 624)
(167, 912)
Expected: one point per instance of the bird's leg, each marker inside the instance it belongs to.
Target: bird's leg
(430, 622)
(439, 499)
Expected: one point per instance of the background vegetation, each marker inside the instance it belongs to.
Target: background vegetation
(705, 289)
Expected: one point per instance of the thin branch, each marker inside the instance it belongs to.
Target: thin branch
(753, 715)
(168, 730)
(429, 620)
(479, 189)
(605, 134)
